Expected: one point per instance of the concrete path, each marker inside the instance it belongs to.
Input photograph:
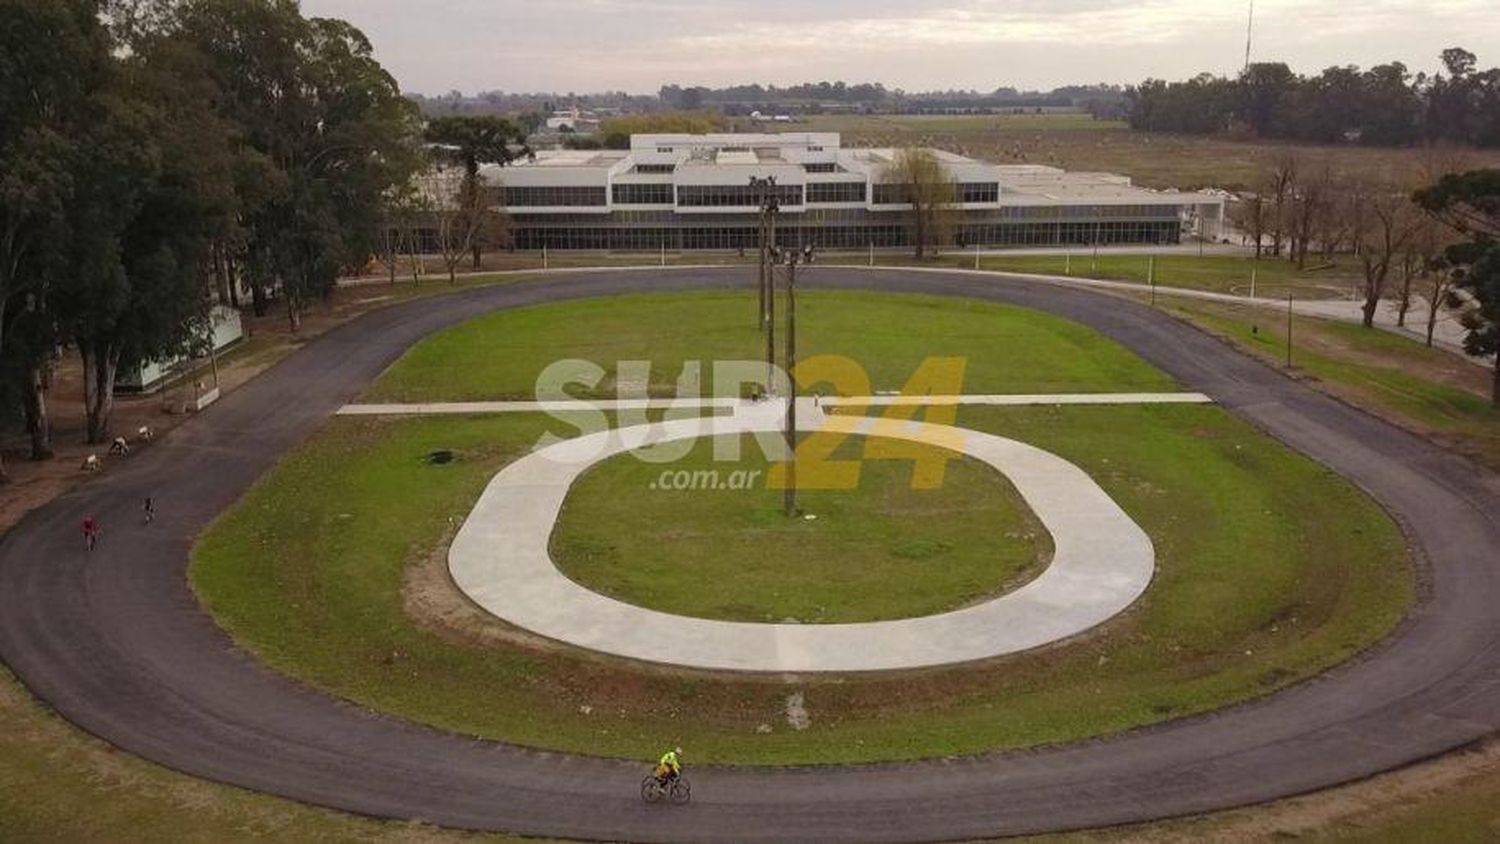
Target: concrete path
(694, 403)
(1102, 562)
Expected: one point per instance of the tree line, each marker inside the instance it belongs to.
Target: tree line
(159, 156)
(813, 97)
(1430, 231)
(1386, 105)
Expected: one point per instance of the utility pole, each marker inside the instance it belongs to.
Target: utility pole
(760, 234)
(1249, 33)
(769, 206)
(766, 191)
(1289, 329)
(806, 257)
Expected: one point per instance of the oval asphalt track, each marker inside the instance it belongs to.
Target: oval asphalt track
(117, 643)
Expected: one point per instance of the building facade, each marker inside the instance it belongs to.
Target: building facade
(693, 192)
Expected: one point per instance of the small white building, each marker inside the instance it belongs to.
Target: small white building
(151, 376)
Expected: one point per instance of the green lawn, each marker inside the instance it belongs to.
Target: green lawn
(881, 550)
(1270, 569)
(1006, 349)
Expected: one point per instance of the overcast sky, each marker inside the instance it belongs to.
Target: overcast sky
(433, 46)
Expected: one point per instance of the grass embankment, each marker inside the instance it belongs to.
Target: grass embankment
(1006, 349)
(1270, 569)
(1430, 391)
(880, 550)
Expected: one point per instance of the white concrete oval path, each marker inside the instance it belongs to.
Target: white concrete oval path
(1102, 562)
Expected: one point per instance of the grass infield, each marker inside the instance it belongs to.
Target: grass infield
(1270, 569)
(1007, 349)
(882, 550)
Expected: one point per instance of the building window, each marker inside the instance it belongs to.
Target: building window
(733, 196)
(821, 167)
(664, 150)
(836, 192)
(891, 194)
(655, 168)
(553, 196)
(979, 192)
(642, 194)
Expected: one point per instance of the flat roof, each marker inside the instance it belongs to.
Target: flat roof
(792, 155)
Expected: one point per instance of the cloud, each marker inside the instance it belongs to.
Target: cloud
(639, 45)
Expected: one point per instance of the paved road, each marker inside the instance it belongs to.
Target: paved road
(117, 643)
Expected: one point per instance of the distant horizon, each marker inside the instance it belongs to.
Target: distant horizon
(617, 46)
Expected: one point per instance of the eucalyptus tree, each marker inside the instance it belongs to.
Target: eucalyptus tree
(325, 134)
(54, 58)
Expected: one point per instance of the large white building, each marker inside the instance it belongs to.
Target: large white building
(694, 192)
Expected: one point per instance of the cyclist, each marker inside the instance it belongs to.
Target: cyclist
(670, 767)
(90, 532)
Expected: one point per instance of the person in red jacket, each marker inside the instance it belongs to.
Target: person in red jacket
(90, 532)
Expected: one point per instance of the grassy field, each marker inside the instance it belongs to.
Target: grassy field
(58, 784)
(1051, 121)
(1430, 391)
(881, 550)
(1151, 159)
(1006, 349)
(1270, 569)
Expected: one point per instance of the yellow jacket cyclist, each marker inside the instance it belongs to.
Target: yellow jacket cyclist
(670, 766)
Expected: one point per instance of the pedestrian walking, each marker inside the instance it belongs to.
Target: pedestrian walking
(149, 507)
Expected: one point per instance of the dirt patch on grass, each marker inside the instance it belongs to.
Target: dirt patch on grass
(436, 604)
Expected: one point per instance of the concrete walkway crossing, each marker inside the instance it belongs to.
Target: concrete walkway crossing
(1102, 562)
(695, 403)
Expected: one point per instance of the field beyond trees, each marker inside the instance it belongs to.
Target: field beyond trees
(1077, 142)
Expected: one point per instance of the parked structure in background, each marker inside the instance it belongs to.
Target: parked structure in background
(149, 376)
(573, 120)
(693, 192)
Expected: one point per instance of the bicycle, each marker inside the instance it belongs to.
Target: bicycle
(676, 789)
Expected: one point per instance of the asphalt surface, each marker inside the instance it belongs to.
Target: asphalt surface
(117, 643)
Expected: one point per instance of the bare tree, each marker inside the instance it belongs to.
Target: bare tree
(1431, 238)
(1281, 182)
(930, 191)
(1309, 205)
(1249, 216)
(396, 222)
(1428, 240)
(451, 217)
(1385, 221)
(1442, 292)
